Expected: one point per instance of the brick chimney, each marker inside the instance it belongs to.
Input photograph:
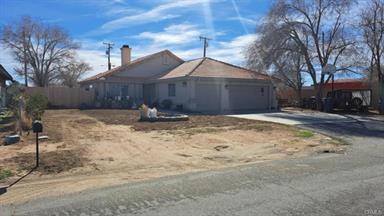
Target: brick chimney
(125, 55)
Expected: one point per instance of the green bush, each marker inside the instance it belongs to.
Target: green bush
(36, 105)
(5, 174)
(166, 104)
(14, 91)
(305, 134)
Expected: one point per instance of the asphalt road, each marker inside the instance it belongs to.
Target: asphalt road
(325, 184)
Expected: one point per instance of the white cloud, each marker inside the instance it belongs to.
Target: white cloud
(188, 54)
(245, 21)
(98, 60)
(240, 18)
(162, 12)
(208, 18)
(174, 34)
(232, 51)
(240, 41)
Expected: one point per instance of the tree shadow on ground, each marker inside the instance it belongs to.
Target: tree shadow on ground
(374, 129)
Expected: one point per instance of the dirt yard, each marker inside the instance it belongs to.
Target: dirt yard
(96, 148)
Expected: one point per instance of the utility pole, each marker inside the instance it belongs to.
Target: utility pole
(108, 52)
(205, 44)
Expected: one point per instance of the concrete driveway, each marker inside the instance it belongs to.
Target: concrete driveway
(306, 117)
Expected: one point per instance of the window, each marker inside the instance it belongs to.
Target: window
(116, 90)
(262, 91)
(171, 90)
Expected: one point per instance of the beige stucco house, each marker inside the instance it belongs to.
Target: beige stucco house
(4, 76)
(200, 85)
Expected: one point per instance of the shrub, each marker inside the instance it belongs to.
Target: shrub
(106, 103)
(166, 104)
(126, 103)
(36, 105)
(154, 104)
(14, 94)
(5, 174)
(179, 107)
(305, 134)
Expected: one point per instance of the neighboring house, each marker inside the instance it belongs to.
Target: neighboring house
(201, 85)
(4, 76)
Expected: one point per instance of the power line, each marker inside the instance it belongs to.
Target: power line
(108, 52)
(205, 44)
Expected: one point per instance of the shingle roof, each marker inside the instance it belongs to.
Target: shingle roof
(208, 67)
(4, 73)
(124, 67)
(183, 69)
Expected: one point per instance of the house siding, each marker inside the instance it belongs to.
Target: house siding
(113, 89)
(213, 95)
(181, 97)
(2, 93)
(220, 98)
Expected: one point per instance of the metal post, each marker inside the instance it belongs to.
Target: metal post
(333, 80)
(205, 39)
(205, 48)
(109, 61)
(108, 52)
(37, 149)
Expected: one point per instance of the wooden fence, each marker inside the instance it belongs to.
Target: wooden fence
(64, 97)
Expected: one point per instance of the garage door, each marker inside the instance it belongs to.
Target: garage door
(208, 97)
(247, 97)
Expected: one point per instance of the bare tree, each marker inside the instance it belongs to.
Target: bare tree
(71, 73)
(319, 31)
(45, 49)
(372, 24)
(284, 64)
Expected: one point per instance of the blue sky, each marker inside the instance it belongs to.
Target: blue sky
(147, 26)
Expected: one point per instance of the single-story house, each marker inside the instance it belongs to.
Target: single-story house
(199, 85)
(4, 76)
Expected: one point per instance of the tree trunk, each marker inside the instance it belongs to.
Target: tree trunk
(319, 96)
(381, 96)
(299, 97)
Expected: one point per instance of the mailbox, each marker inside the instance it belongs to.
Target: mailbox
(37, 126)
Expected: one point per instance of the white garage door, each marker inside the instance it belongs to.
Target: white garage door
(247, 97)
(208, 97)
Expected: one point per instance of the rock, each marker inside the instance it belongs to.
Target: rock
(220, 147)
(11, 139)
(43, 138)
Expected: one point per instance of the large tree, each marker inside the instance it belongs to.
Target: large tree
(43, 51)
(319, 31)
(372, 24)
(72, 72)
(285, 64)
